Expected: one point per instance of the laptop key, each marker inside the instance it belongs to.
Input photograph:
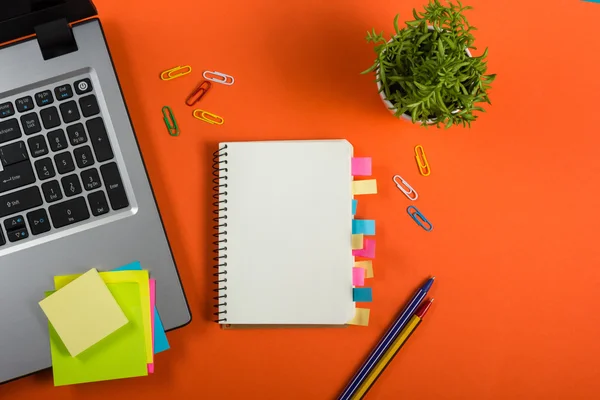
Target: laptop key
(38, 221)
(45, 169)
(16, 175)
(69, 112)
(83, 86)
(19, 234)
(83, 156)
(57, 140)
(114, 186)
(98, 203)
(9, 130)
(6, 110)
(68, 212)
(20, 201)
(31, 123)
(2, 240)
(64, 163)
(50, 117)
(24, 104)
(13, 153)
(44, 98)
(63, 92)
(13, 223)
(71, 185)
(76, 134)
(89, 105)
(37, 146)
(52, 191)
(99, 139)
(91, 179)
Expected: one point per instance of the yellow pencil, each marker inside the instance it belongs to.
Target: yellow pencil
(389, 354)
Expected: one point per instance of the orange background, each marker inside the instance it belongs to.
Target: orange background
(514, 200)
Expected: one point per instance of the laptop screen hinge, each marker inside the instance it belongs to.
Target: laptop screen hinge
(55, 38)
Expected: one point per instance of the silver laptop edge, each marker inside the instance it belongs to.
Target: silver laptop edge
(120, 237)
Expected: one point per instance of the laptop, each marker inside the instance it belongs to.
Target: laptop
(74, 192)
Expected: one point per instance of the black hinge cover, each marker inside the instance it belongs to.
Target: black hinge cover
(55, 38)
(49, 19)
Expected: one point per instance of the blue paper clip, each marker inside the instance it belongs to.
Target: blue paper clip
(419, 218)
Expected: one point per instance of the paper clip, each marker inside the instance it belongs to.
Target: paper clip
(198, 93)
(208, 117)
(170, 121)
(399, 181)
(419, 218)
(422, 160)
(224, 78)
(175, 72)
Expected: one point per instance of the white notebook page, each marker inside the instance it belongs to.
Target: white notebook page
(289, 226)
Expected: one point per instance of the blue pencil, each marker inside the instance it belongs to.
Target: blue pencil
(387, 339)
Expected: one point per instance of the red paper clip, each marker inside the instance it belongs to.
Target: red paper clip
(198, 93)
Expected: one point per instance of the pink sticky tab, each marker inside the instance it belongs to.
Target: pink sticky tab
(358, 276)
(368, 250)
(361, 166)
(152, 305)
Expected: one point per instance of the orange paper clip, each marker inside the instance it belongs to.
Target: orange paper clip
(175, 72)
(198, 93)
(422, 160)
(208, 117)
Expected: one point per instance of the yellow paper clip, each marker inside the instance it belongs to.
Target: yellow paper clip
(175, 72)
(208, 117)
(422, 160)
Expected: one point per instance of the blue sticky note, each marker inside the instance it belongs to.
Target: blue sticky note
(364, 226)
(363, 294)
(354, 204)
(161, 343)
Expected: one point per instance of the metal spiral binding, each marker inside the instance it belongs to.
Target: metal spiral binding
(220, 197)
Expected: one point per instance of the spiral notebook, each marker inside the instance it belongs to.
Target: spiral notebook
(284, 231)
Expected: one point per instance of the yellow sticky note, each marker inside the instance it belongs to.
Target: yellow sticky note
(83, 312)
(357, 241)
(368, 186)
(139, 277)
(361, 317)
(368, 265)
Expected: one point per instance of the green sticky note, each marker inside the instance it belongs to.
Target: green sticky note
(119, 355)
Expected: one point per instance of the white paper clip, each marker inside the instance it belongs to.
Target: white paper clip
(223, 78)
(404, 190)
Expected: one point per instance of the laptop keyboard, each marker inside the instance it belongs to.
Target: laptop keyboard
(57, 166)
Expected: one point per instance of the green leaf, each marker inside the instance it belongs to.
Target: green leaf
(396, 23)
(415, 15)
(370, 69)
(422, 39)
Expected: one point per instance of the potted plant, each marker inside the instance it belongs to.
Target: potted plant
(426, 73)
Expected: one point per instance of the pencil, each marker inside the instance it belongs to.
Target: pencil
(387, 339)
(389, 355)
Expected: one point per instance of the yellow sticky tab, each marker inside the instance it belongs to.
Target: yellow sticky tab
(368, 186)
(83, 312)
(357, 241)
(368, 265)
(139, 277)
(361, 318)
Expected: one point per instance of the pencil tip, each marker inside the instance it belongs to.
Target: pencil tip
(431, 301)
(433, 277)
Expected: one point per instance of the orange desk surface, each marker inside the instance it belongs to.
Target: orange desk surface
(514, 200)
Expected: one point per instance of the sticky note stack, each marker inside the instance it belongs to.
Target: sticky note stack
(362, 246)
(103, 325)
